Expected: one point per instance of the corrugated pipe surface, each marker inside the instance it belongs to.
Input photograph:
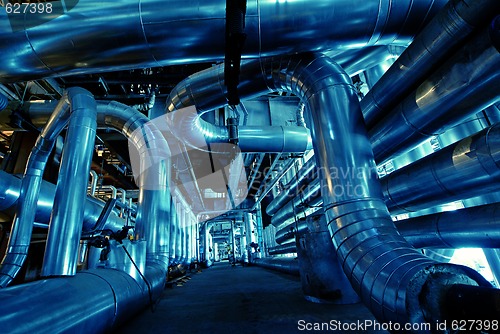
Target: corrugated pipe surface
(438, 39)
(387, 273)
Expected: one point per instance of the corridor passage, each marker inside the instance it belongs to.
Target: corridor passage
(239, 300)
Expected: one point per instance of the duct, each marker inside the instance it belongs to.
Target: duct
(464, 85)
(440, 37)
(112, 295)
(387, 273)
(287, 265)
(143, 35)
(65, 227)
(304, 176)
(291, 230)
(466, 169)
(309, 198)
(22, 226)
(470, 227)
(285, 248)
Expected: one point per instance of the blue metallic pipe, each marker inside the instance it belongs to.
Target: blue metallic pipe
(61, 252)
(471, 227)
(438, 39)
(4, 102)
(379, 263)
(285, 265)
(464, 85)
(97, 36)
(19, 241)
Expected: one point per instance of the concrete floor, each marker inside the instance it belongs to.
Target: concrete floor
(239, 300)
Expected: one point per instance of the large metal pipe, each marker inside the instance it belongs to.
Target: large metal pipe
(93, 301)
(466, 169)
(464, 85)
(287, 265)
(66, 222)
(304, 177)
(142, 33)
(379, 263)
(440, 37)
(470, 227)
(19, 241)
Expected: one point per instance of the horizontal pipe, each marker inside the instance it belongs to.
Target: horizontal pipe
(289, 231)
(304, 176)
(466, 169)
(470, 227)
(94, 301)
(287, 265)
(274, 139)
(438, 39)
(286, 248)
(463, 86)
(143, 33)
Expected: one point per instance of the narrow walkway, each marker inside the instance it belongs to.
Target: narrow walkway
(239, 300)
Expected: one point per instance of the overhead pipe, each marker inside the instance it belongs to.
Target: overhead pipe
(379, 263)
(466, 169)
(66, 221)
(440, 37)
(471, 227)
(143, 35)
(464, 85)
(19, 241)
(289, 231)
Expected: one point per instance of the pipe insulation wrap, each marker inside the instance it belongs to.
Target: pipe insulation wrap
(383, 268)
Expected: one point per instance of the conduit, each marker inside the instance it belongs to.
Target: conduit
(440, 37)
(387, 273)
(464, 85)
(471, 227)
(88, 41)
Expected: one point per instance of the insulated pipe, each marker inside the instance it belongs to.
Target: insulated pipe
(471, 227)
(285, 248)
(173, 231)
(65, 226)
(93, 301)
(466, 169)
(287, 265)
(464, 85)
(19, 241)
(440, 37)
(291, 230)
(304, 177)
(387, 273)
(143, 33)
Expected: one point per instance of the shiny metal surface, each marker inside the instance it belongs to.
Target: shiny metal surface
(464, 85)
(435, 42)
(470, 227)
(289, 231)
(304, 177)
(360, 225)
(22, 226)
(104, 36)
(112, 295)
(285, 248)
(4, 101)
(466, 169)
(65, 227)
(493, 258)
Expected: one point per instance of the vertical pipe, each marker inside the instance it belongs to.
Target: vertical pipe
(93, 182)
(173, 231)
(65, 228)
(19, 241)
